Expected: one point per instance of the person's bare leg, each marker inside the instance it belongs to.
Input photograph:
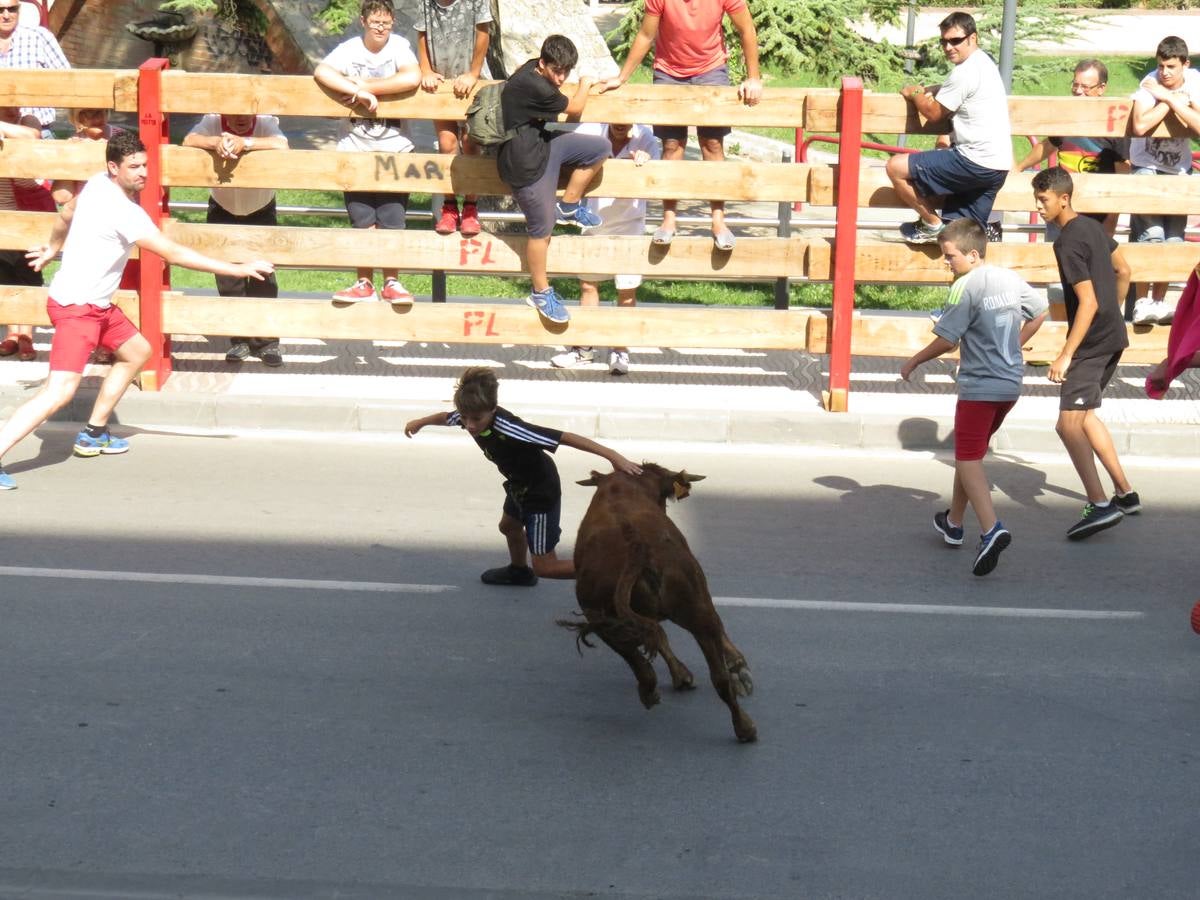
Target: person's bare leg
(536, 252)
(713, 149)
(60, 387)
(131, 357)
(578, 180)
(897, 170)
(969, 473)
(671, 150)
(625, 297)
(1102, 444)
(589, 293)
(548, 565)
(958, 500)
(514, 536)
(1071, 432)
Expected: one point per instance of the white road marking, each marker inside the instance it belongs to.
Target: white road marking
(931, 609)
(303, 584)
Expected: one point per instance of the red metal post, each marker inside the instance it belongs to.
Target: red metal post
(798, 156)
(152, 272)
(845, 244)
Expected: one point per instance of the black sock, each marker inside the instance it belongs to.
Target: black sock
(95, 431)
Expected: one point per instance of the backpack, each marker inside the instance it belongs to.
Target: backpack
(485, 119)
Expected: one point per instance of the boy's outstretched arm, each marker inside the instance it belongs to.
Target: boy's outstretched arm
(935, 348)
(415, 425)
(620, 463)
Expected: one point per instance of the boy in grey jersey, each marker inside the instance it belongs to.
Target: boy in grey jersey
(991, 313)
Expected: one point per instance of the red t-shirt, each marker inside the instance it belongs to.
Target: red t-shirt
(690, 40)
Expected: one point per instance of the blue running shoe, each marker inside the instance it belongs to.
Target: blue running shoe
(991, 545)
(6, 481)
(576, 214)
(86, 445)
(951, 534)
(550, 305)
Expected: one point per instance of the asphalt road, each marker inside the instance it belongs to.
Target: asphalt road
(290, 684)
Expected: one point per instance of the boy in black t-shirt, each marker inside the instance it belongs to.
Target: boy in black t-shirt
(533, 495)
(1094, 276)
(530, 162)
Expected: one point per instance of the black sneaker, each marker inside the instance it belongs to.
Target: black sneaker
(517, 576)
(1095, 518)
(1130, 503)
(951, 534)
(990, 547)
(239, 351)
(271, 356)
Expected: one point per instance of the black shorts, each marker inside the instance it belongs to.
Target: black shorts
(1085, 380)
(378, 209)
(541, 528)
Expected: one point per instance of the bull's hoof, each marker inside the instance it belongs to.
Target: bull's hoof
(649, 698)
(684, 682)
(747, 734)
(743, 684)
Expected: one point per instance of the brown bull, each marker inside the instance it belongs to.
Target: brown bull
(633, 569)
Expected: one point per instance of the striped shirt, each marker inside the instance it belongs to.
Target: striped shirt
(518, 449)
(33, 47)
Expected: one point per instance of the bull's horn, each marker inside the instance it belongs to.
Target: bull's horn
(593, 481)
(690, 478)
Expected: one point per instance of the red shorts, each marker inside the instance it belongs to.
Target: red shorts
(80, 329)
(975, 421)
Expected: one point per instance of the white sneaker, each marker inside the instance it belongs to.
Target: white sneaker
(618, 363)
(1164, 313)
(1144, 312)
(574, 356)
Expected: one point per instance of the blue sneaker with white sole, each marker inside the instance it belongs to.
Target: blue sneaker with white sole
(6, 481)
(87, 446)
(576, 214)
(550, 305)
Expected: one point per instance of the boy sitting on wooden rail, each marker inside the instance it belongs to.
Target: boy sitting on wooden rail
(532, 159)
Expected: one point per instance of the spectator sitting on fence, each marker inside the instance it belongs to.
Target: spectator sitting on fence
(617, 216)
(452, 43)
(228, 137)
(359, 70)
(531, 161)
(990, 316)
(26, 195)
(93, 125)
(29, 47)
(689, 48)
(97, 231)
(1171, 88)
(970, 173)
(1094, 277)
(532, 492)
(1093, 155)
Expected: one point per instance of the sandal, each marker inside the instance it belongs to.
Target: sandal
(8, 347)
(663, 237)
(723, 239)
(25, 351)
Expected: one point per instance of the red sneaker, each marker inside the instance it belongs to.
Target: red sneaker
(1196, 618)
(361, 290)
(396, 294)
(448, 222)
(469, 225)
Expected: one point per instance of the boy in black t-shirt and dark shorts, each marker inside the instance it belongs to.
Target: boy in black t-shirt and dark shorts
(530, 162)
(1095, 278)
(532, 493)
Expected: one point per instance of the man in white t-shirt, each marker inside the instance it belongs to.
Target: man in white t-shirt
(624, 216)
(359, 70)
(228, 137)
(96, 232)
(967, 176)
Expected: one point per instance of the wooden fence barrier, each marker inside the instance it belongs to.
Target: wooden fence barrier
(845, 259)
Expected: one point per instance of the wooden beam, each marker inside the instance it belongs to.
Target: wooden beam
(1093, 193)
(63, 88)
(886, 261)
(28, 304)
(902, 336)
(1039, 116)
(500, 254)
(435, 173)
(77, 160)
(22, 230)
(489, 323)
(298, 95)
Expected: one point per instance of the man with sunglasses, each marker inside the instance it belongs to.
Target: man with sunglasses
(965, 177)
